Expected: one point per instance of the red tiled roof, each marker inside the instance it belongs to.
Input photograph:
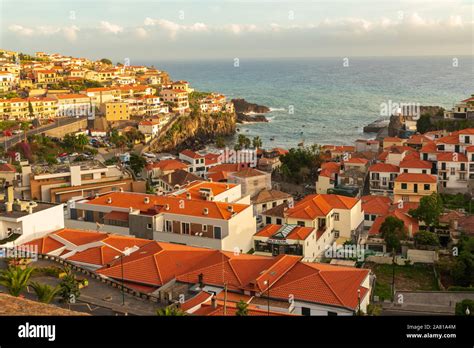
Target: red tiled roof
(168, 164)
(415, 163)
(414, 177)
(298, 233)
(169, 204)
(451, 157)
(407, 222)
(384, 168)
(378, 205)
(6, 167)
(313, 206)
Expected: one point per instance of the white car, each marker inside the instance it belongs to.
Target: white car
(149, 155)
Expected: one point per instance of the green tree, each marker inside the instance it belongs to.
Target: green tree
(462, 271)
(426, 238)
(243, 141)
(461, 307)
(70, 141)
(242, 310)
(69, 287)
(44, 292)
(220, 143)
(137, 163)
(106, 61)
(296, 159)
(257, 142)
(170, 311)
(423, 124)
(15, 279)
(429, 210)
(393, 232)
(82, 141)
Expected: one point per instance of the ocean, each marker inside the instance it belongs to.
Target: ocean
(321, 101)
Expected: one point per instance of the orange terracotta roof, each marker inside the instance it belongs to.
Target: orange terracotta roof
(6, 167)
(452, 139)
(466, 131)
(451, 157)
(429, 148)
(378, 205)
(298, 232)
(415, 163)
(169, 204)
(313, 206)
(384, 168)
(355, 160)
(415, 177)
(195, 187)
(72, 96)
(201, 297)
(191, 154)
(168, 164)
(407, 222)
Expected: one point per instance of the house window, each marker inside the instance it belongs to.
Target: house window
(452, 171)
(405, 170)
(268, 219)
(278, 221)
(168, 226)
(306, 311)
(184, 228)
(336, 234)
(149, 226)
(336, 216)
(404, 186)
(366, 217)
(427, 187)
(424, 171)
(264, 206)
(332, 313)
(204, 228)
(217, 232)
(300, 223)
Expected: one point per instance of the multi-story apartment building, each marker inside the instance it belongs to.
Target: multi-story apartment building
(177, 98)
(7, 81)
(60, 183)
(199, 164)
(342, 216)
(382, 178)
(415, 166)
(115, 111)
(453, 172)
(189, 221)
(75, 105)
(46, 77)
(102, 95)
(462, 111)
(411, 187)
(252, 180)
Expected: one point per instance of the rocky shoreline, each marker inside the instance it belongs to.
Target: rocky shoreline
(249, 112)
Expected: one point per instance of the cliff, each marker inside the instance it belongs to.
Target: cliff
(195, 131)
(242, 106)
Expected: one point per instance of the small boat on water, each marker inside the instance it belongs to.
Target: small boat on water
(272, 138)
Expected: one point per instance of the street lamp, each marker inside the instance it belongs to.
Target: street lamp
(358, 297)
(266, 282)
(126, 252)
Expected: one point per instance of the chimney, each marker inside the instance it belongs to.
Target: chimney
(201, 280)
(146, 200)
(109, 200)
(205, 211)
(213, 301)
(188, 195)
(167, 207)
(230, 209)
(10, 197)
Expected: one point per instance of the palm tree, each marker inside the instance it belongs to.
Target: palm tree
(44, 292)
(170, 311)
(82, 141)
(242, 310)
(257, 142)
(15, 279)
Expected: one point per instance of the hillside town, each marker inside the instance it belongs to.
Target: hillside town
(129, 192)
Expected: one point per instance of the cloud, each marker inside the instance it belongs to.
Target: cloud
(21, 30)
(173, 28)
(108, 27)
(70, 33)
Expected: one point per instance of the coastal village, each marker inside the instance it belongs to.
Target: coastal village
(130, 193)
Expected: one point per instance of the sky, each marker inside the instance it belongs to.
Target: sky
(222, 29)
